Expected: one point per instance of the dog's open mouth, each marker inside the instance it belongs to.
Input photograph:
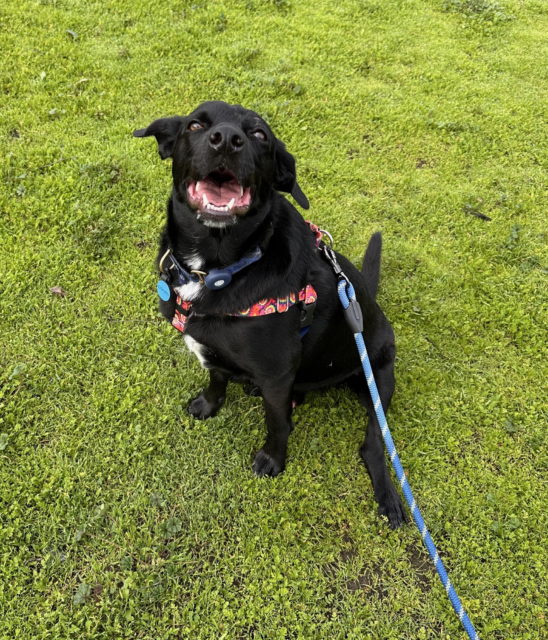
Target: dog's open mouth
(219, 194)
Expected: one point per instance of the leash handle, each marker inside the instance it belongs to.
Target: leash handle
(348, 300)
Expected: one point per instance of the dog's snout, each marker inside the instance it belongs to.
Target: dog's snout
(226, 138)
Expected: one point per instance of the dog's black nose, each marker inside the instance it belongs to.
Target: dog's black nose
(224, 137)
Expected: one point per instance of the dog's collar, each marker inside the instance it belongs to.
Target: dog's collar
(307, 296)
(173, 274)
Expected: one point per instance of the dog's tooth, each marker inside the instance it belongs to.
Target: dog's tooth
(205, 201)
(231, 203)
(241, 191)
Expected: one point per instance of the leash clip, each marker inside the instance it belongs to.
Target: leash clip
(326, 234)
(332, 259)
(352, 310)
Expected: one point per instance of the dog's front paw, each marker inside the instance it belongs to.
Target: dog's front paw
(201, 408)
(391, 506)
(266, 464)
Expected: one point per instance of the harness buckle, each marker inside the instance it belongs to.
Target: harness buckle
(184, 309)
(200, 275)
(307, 314)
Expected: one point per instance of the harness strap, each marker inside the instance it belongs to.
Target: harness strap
(318, 233)
(267, 306)
(181, 315)
(307, 296)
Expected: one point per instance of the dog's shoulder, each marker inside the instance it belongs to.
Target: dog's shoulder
(292, 244)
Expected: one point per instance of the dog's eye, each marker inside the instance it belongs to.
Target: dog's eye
(195, 125)
(260, 134)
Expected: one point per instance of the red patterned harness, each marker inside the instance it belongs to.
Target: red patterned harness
(307, 295)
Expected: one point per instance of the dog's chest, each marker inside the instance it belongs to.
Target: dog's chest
(190, 292)
(199, 350)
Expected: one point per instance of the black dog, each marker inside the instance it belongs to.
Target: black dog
(227, 221)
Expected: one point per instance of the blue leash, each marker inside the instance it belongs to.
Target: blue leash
(354, 318)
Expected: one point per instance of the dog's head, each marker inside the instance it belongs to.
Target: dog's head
(226, 160)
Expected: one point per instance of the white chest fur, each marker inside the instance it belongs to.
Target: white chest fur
(197, 349)
(191, 290)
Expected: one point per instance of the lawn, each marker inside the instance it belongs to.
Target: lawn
(123, 517)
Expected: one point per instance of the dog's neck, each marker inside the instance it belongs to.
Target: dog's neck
(193, 242)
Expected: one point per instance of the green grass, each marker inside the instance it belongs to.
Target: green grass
(124, 518)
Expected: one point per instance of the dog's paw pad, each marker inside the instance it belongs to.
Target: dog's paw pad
(266, 465)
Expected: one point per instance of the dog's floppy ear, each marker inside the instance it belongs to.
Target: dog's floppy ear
(165, 131)
(285, 175)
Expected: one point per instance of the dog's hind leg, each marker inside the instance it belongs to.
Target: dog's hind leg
(211, 399)
(372, 449)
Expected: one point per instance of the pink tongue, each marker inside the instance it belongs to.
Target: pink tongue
(220, 194)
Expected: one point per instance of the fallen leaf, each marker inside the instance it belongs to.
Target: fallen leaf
(58, 291)
(82, 594)
(18, 370)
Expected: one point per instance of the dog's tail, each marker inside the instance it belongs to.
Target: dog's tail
(371, 265)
